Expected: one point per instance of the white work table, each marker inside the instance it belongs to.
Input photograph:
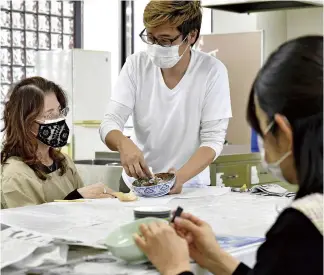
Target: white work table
(239, 214)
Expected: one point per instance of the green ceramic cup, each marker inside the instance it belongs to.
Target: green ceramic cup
(121, 242)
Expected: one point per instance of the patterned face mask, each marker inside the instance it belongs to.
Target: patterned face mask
(54, 133)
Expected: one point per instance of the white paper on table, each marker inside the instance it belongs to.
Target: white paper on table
(61, 222)
(141, 201)
(17, 245)
(101, 264)
(52, 254)
(88, 223)
(189, 193)
(231, 213)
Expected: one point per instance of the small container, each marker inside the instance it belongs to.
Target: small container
(159, 212)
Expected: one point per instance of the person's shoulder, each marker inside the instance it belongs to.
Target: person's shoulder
(14, 167)
(15, 174)
(138, 60)
(292, 243)
(208, 62)
(294, 224)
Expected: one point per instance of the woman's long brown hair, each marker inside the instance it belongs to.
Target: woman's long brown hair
(25, 104)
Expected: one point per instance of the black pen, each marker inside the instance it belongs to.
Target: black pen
(177, 213)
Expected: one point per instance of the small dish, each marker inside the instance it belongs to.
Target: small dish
(152, 211)
(158, 187)
(121, 242)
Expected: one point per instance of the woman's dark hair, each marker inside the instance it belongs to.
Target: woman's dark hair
(291, 84)
(25, 104)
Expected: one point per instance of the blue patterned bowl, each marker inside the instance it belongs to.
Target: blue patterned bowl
(157, 190)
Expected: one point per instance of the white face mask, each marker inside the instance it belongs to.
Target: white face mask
(273, 168)
(165, 57)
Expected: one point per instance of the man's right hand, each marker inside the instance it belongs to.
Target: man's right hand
(132, 160)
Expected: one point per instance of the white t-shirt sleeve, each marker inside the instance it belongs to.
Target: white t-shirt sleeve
(213, 133)
(125, 88)
(122, 101)
(115, 119)
(217, 101)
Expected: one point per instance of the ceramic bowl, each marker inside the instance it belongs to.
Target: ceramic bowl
(121, 242)
(157, 190)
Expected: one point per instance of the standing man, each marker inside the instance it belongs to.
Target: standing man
(179, 98)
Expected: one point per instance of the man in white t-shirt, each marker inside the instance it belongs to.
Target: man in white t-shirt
(179, 99)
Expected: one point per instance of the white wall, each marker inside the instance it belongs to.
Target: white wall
(273, 25)
(101, 30)
(278, 26)
(229, 22)
(139, 6)
(305, 21)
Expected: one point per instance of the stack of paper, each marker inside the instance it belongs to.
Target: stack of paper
(24, 248)
(271, 190)
(106, 264)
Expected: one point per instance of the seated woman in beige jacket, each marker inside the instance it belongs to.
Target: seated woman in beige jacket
(33, 169)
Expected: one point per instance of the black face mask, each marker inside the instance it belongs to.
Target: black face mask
(54, 134)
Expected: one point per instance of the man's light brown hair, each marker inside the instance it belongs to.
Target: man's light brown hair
(186, 16)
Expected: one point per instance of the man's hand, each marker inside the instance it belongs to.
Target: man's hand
(132, 160)
(177, 187)
(196, 164)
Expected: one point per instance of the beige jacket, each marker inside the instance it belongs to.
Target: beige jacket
(20, 186)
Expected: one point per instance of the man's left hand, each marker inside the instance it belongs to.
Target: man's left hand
(177, 187)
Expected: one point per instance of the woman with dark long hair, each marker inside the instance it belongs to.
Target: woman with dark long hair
(34, 171)
(286, 110)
